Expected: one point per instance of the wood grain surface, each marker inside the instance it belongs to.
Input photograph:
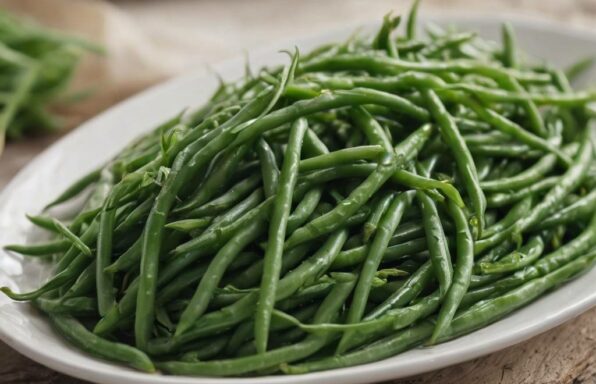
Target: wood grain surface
(566, 354)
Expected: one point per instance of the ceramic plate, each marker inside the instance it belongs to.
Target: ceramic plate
(97, 140)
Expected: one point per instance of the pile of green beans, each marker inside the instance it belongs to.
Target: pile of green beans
(373, 196)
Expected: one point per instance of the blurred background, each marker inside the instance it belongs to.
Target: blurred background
(147, 41)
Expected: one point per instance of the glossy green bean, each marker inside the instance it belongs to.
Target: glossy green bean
(387, 226)
(269, 168)
(436, 242)
(277, 234)
(379, 210)
(463, 158)
(75, 188)
(461, 274)
(579, 210)
(518, 259)
(342, 156)
(212, 276)
(95, 345)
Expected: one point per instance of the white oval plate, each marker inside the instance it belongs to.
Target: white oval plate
(97, 140)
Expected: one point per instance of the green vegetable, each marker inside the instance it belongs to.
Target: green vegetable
(274, 229)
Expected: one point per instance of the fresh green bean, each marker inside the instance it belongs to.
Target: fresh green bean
(75, 188)
(436, 242)
(461, 275)
(379, 210)
(269, 169)
(342, 156)
(277, 232)
(463, 158)
(526, 255)
(41, 249)
(95, 345)
(387, 226)
(214, 273)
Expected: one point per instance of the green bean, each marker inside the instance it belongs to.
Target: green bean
(239, 214)
(412, 20)
(578, 68)
(252, 275)
(415, 181)
(216, 180)
(105, 280)
(567, 183)
(313, 146)
(498, 200)
(228, 199)
(499, 95)
(188, 162)
(463, 158)
(277, 234)
(445, 43)
(436, 242)
(205, 349)
(83, 220)
(387, 226)
(135, 217)
(362, 193)
(381, 349)
(395, 319)
(207, 242)
(269, 169)
(342, 156)
(75, 188)
(126, 260)
(95, 345)
(84, 284)
(327, 311)
(379, 210)
(509, 150)
(304, 209)
(547, 264)
(336, 218)
(461, 275)
(516, 212)
(526, 255)
(509, 46)
(357, 255)
(73, 306)
(579, 210)
(243, 331)
(480, 139)
(228, 316)
(486, 312)
(535, 120)
(69, 267)
(41, 249)
(393, 66)
(102, 189)
(189, 225)
(329, 100)
(211, 278)
(406, 293)
(371, 128)
(70, 236)
(522, 179)
(383, 38)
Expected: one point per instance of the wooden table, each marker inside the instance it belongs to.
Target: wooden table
(566, 354)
